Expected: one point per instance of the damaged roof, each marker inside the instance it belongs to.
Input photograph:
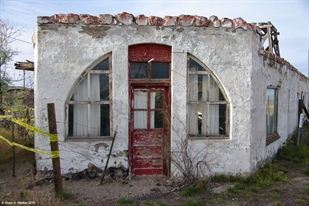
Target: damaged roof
(125, 18)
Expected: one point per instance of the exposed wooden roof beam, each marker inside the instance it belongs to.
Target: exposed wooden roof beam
(27, 66)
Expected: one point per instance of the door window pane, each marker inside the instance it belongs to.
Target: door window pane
(156, 99)
(159, 70)
(156, 119)
(140, 99)
(140, 119)
(138, 70)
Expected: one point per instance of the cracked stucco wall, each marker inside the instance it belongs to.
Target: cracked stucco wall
(65, 52)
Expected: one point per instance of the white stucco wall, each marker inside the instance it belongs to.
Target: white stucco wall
(268, 72)
(64, 52)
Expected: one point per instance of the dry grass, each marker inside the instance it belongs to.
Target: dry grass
(6, 149)
(41, 196)
(25, 190)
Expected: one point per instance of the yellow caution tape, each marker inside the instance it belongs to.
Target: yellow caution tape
(53, 137)
(18, 110)
(54, 154)
(6, 116)
(24, 147)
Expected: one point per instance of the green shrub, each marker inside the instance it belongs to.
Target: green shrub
(63, 195)
(226, 178)
(125, 201)
(194, 203)
(159, 203)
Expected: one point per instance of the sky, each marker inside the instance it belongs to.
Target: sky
(290, 17)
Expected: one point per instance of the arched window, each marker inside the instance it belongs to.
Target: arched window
(207, 103)
(89, 105)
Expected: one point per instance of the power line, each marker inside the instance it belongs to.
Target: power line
(22, 40)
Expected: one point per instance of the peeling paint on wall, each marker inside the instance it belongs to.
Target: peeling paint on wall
(230, 48)
(95, 32)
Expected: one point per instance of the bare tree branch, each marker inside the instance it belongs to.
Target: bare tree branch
(8, 35)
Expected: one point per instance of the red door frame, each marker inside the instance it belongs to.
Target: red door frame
(155, 53)
(164, 133)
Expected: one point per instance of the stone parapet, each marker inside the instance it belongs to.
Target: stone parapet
(125, 18)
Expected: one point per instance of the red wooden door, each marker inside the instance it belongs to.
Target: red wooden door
(149, 138)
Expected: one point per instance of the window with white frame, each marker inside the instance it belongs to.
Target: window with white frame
(271, 111)
(207, 104)
(89, 106)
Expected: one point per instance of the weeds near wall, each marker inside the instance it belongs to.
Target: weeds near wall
(184, 155)
(6, 149)
(189, 162)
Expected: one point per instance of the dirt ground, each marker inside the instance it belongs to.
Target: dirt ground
(144, 191)
(85, 191)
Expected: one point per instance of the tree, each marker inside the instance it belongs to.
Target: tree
(8, 35)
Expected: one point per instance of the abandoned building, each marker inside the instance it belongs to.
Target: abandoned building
(212, 91)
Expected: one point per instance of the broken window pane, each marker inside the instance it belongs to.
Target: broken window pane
(105, 123)
(138, 70)
(222, 119)
(71, 119)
